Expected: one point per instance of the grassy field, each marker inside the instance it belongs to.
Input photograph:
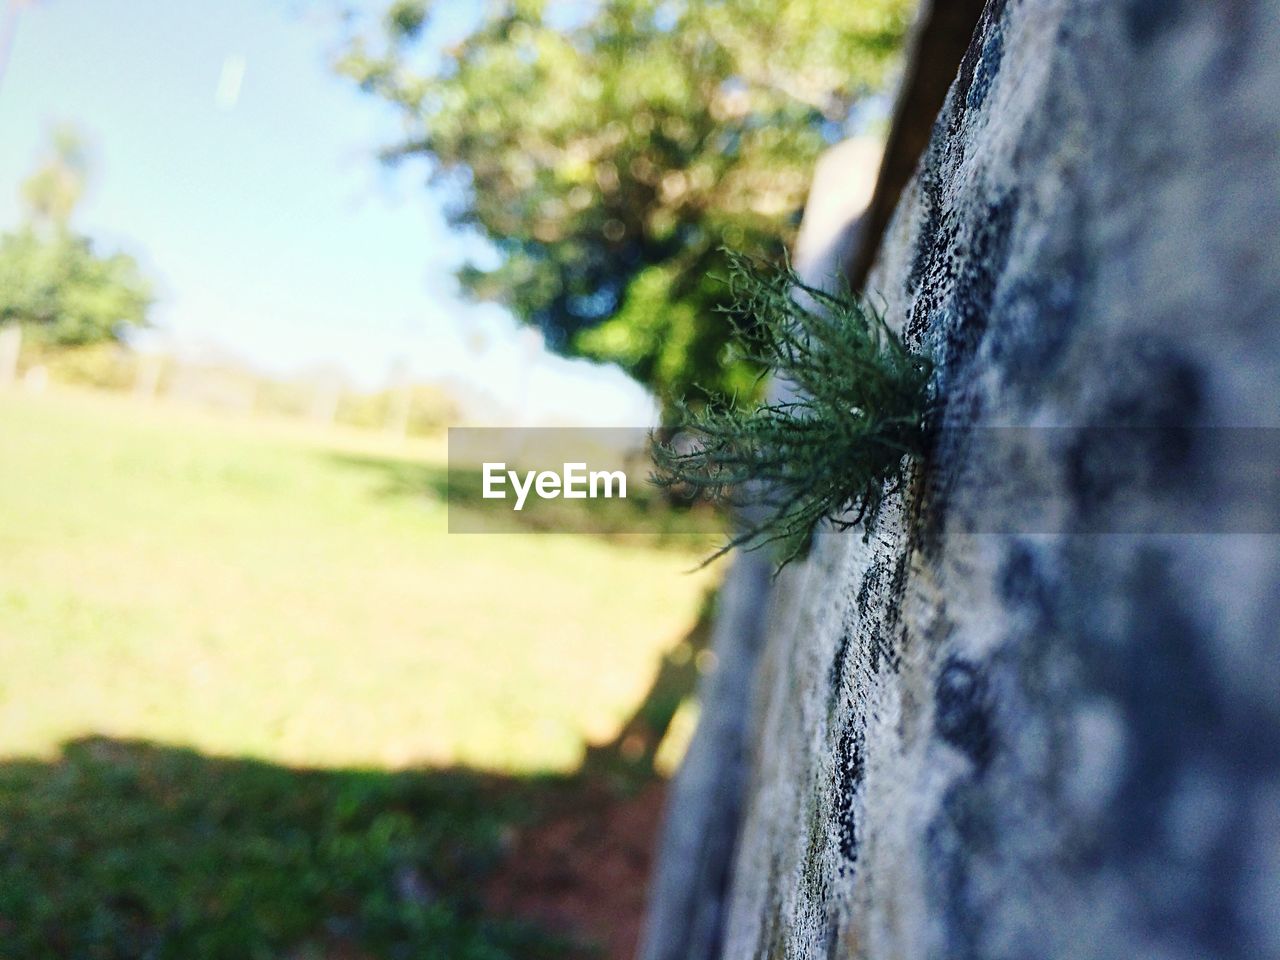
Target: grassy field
(255, 702)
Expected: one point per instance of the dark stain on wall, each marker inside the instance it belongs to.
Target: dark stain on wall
(980, 262)
(954, 840)
(1025, 586)
(979, 65)
(1180, 736)
(1144, 20)
(1036, 313)
(962, 711)
(835, 674)
(849, 773)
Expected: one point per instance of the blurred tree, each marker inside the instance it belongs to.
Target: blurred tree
(608, 148)
(52, 282)
(54, 190)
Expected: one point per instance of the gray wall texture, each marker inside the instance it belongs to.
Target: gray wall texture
(1050, 744)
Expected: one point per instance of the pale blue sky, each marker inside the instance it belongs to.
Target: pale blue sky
(268, 225)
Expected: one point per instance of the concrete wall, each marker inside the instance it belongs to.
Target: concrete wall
(1067, 745)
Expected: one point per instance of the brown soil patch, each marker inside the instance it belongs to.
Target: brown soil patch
(583, 870)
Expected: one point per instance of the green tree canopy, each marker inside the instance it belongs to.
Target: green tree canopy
(55, 285)
(609, 149)
(51, 279)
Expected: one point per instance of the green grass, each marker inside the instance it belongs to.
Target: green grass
(124, 850)
(251, 691)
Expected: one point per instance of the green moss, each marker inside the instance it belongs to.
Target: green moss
(837, 446)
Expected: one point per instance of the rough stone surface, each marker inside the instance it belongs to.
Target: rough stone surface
(970, 745)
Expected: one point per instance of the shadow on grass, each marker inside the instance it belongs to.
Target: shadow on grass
(399, 478)
(127, 849)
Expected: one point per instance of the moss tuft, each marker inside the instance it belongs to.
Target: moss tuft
(836, 447)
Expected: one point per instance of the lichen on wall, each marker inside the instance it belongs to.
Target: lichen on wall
(1059, 742)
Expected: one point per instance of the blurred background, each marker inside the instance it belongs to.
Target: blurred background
(255, 258)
